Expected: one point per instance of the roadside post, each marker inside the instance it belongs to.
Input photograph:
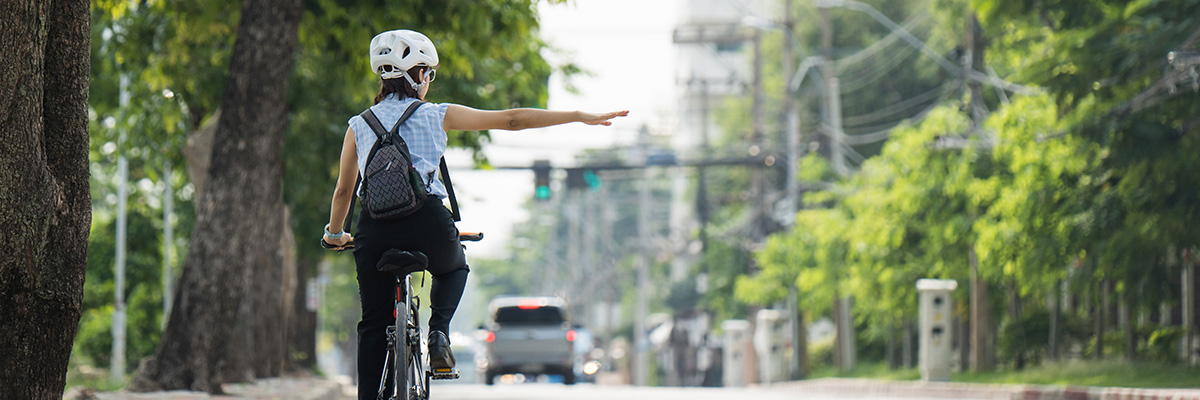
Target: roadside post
(737, 332)
(935, 328)
(770, 341)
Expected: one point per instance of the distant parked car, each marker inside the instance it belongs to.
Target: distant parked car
(529, 335)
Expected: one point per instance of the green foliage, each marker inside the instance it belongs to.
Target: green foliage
(1086, 179)
(1163, 343)
(1106, 373)
(174, 57)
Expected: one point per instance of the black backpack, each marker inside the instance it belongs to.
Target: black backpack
(391, 187)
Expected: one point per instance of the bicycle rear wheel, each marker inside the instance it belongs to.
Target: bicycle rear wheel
(401, 354)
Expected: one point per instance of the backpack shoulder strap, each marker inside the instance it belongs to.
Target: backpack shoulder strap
(408, 112)
(450, 191)
(373, 122)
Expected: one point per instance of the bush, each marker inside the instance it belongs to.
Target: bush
(93, 341)
(1028, 336)
(1163, 344)
(820, 353)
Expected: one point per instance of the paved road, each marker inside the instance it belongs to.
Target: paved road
(538, 391)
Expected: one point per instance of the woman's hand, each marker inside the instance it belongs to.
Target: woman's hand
(339, 243)
(601, 119)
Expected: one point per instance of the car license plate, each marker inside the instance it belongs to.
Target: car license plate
(533, 368)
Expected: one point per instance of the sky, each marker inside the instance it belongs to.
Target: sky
(631, 60)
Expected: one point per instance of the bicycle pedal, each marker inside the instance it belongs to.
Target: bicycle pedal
(444, 373)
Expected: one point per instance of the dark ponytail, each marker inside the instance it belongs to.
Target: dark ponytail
(400, 86)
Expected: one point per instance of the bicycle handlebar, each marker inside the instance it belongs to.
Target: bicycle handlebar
(330, 246)
(462, 236)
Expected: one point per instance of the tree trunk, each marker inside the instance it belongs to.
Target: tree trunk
(1055, 317)
(244, 185)
(801, 349)
(981, 319)
(1130, 331)
(962, 329)
(1100, 308)
(889, 349)
(1014, 314)
(302, 331)
(45, 203)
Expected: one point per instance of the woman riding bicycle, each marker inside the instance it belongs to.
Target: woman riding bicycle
(406, 62)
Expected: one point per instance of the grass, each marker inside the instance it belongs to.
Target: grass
(83, 375)
(869, 370)
(1107, 373)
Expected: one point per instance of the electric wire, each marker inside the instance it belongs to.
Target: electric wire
(895, 108)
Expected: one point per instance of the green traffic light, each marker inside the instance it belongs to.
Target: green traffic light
(542, 193)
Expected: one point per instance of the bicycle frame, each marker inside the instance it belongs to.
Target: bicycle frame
(404, 363)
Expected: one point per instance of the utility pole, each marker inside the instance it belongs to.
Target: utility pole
(168, 277)
(798, 367)
(982, 341)
(641, 342)
(701, 176)
(759, 174)
(845, 348)
(117, 362)
(833, 102)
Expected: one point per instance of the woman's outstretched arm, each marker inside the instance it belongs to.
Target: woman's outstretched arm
(347, 174)
(463, 118)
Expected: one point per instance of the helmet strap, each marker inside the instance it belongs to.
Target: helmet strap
(416, 86)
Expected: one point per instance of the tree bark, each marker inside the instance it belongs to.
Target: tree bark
(237, 212)
(1055, 317)
(981, 319)
(1014, 314)
(45, 203)
(302, 331)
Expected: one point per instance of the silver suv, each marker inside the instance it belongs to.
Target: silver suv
(529, 335)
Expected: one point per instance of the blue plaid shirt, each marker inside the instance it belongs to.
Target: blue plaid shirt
(423, 132)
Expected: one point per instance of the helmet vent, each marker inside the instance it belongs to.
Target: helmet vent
(406, 51)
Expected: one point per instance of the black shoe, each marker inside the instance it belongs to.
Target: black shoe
(440, 356)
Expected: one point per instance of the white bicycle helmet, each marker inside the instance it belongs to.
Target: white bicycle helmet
(395, 52)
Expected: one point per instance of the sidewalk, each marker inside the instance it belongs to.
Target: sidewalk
(866, 387)
(312, 388)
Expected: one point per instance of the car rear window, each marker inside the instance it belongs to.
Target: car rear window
(539, 315)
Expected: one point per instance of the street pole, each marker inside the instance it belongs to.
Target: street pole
(641, 341)
(701, 175)
(168, 277)
(845, 349)
(799, 352)
(117, 362)
(789, 109)
(573, 212)
(833, 107)
(759, 174)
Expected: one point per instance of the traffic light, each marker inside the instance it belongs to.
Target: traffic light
(582, 178)
(541, 180)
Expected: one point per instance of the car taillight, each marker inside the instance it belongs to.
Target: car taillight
(571, 335)
(491, 337)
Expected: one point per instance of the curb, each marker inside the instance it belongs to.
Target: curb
(267, 388)
(978, 391)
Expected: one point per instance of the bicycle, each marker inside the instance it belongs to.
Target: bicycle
(404, 348)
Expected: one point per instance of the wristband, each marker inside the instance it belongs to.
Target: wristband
(333, 236)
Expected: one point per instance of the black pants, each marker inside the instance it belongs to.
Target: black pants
(431, 231)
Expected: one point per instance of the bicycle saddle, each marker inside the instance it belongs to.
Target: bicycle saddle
(401, 262)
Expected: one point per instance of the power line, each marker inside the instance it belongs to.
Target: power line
(843, 64)
(929, 52)
(894, 108)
